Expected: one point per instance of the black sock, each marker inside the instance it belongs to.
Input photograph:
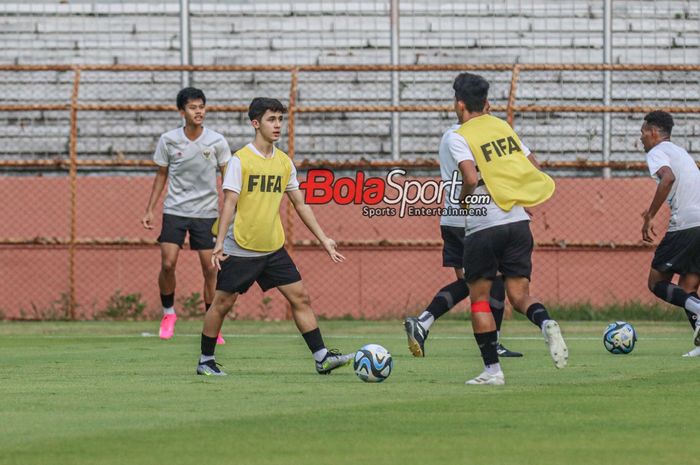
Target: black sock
(488, 344)
(692, 317)
(537, 314)
(314, 340)
(167, 300)
(206, 307)
(208, 345)
(448, 297)
(497, 301)
(669, 292)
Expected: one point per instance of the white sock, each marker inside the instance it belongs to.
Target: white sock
(426, 320)
(493, 368)
(169, 311)
(692, 304)
(205, 358)
(320, 355)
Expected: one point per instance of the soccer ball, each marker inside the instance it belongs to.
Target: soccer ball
(619, 337)
(373, 363)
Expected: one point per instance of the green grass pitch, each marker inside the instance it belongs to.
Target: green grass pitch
(101, 393)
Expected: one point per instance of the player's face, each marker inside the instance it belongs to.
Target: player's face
(648, 137)
(194, 112)
(270, 125)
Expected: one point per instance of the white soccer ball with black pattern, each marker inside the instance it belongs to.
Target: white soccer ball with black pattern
(619, 337)
(373, 363)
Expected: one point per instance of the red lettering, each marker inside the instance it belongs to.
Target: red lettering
(374, 192)
(318, 180)
(321, 187)
(347, 197)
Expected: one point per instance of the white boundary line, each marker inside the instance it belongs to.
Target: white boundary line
(330, 336)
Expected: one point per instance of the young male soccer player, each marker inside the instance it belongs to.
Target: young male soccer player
(252, 248)
(496, 163)
(187, 159)
(451, 154)
(679, 251)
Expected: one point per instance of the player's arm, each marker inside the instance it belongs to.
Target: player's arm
(666, 180)
(225, 218)
(309, 219)
(470, 179)
(157, 189)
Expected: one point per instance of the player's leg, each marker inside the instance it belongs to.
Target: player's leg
(221, 305)
(202, 240)
(209, 274)
(236, 276)
(516, 267)
(497, 302)
(171, 239)
(417, 329)
(689, 282)
(678, 252)
(166, 283)
(305, 320)
(280, 272)
(481, 266)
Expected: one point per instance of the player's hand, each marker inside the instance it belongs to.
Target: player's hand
(330, 246)
(147, 220)
(218, 256)
(648, 232)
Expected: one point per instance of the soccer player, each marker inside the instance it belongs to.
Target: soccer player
(496, 163)
(187, 159)
(250, 242)
(678, 252)
(451, 154)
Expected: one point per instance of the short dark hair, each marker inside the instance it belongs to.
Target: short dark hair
(660, 119)
(260, 105)
(187, 94)
(471, 89)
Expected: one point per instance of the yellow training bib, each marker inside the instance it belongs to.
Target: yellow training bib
(507, 173)
(257, 225)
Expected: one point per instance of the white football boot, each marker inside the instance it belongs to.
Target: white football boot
(555, 341)
(486, 378)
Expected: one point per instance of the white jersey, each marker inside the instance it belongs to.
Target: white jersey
(451, 155)
(233, 181)
(684, 198)
(495, 215)
(192, 168)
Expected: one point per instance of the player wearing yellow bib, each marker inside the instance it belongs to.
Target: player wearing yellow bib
(501, 240)
(249, 244)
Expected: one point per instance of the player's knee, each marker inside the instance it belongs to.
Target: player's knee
(301, 301)
(168, 266)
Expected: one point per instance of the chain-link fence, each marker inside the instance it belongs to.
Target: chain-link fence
(76, 173)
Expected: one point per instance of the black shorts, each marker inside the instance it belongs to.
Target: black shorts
(678, 252)
(506, 248)
(452, 246)
(176, 227)
(237, 274)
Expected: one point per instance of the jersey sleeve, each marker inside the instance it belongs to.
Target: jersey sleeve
(459, 148)
(160, 156)
(293, 183)
(656, 158)
(233, 181)
(223, 152)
